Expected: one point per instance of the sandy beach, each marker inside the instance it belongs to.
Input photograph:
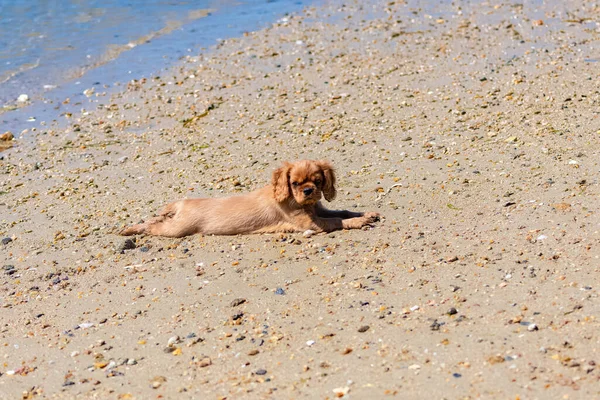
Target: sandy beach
(473, 128)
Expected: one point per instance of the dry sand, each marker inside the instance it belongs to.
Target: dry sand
(473, 129)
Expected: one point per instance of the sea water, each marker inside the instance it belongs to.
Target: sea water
(51, 50)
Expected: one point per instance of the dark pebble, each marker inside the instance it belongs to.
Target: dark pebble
(237, 302)
(363, 328)
(456, 375)
(237, 316)
(68, 383)
(144, 249)
(6, 240)
(128, 244)
(435, 326)
(261, 372)
(191, 336)
(452, 311)
(280, 291)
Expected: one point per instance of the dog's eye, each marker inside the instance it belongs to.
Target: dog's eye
(318, 182)
(294, 184)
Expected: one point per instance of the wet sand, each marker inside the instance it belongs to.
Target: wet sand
(473, 130)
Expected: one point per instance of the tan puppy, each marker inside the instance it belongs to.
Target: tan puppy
(291, 203)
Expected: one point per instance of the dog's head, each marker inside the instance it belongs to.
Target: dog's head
(305, 181)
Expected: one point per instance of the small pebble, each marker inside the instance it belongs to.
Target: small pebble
(128, 244)
(364, 328)
(435, 326)
(9, 269)
(452, 311)
(237, 316)
(341, 391)
(173, 340)
(6, 240)
(280, 291)
(237, 302)
(261, 372)
(23, 98)
(532, 327)
(157, 381)
(308, 233)
(204, 362)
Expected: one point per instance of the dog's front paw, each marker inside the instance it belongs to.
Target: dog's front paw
(371, 217)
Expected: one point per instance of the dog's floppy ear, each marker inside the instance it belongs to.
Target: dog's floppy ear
(329, 191)
(281, 187)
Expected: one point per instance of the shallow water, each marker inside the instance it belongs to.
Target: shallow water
(51, 50)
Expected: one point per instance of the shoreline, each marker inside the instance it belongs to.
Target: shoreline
(480, 281)
(108, 67)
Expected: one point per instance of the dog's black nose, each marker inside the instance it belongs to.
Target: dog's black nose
(307, 191)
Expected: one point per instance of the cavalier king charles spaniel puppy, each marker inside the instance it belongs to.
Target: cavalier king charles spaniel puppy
(291, 203)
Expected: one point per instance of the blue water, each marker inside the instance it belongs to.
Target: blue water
(51, 50)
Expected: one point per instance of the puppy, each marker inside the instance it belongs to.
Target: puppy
(290, 204)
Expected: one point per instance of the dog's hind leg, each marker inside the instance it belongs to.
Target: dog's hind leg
(154, 226)
(134, 230)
